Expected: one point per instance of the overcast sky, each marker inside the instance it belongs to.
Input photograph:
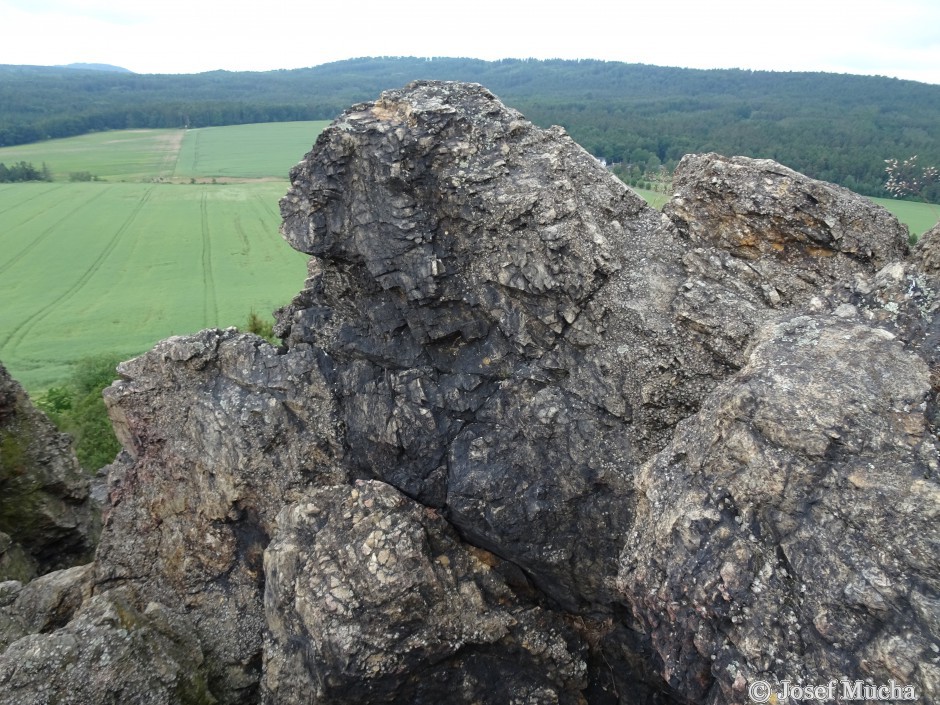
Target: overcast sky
(900, 38)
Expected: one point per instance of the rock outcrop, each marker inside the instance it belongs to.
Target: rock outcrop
(528, 440)
(47, 521)
(111, 652)
(789, 531)
(207, 468)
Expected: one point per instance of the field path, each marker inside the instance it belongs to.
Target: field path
(36, 241)
(173, 143)
(210, 304)
(17, 335)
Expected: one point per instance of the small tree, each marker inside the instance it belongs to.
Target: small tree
(908, 179)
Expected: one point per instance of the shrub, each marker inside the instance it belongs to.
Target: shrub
(78, 409)
(259, 326)
(82, 176)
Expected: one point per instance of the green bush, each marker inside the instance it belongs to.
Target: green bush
(82, 176)
(78, 409)
(259, 326)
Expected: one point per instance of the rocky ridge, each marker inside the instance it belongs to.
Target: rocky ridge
(528, 440)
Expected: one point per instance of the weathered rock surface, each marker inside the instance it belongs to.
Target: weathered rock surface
(220, 432)
(756, 207)
(109, 653)
(511, 330)
(528, 440)
(372, 597)
(762, 236)
(46, 519)
(789, 531)
(927, 251)
(44, 604)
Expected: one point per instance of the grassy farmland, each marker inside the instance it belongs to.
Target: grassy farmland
(114, 266)
(180, 234)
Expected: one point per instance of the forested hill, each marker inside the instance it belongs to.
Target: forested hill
(835, 127)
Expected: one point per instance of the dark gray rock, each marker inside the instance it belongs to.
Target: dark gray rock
(46, 519)
(757, 207)
(761, 236)
(927, 251)
(512, 331)
(44, 604)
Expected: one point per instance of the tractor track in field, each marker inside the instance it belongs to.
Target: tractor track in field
(31, 198)
(210, 304)
(263, 207)
(44, 234)
(246, 243)
(16, 336)
(266, 208)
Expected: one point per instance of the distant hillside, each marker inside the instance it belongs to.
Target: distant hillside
(835, 127)
(97, 67)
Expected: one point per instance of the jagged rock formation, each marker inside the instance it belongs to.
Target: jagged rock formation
(207, 468)
(46, 519)
(528, 440)
(927, 251)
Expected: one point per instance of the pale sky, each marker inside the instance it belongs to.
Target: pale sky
(900, 38)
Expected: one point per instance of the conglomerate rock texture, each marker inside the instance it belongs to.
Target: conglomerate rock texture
(528, 440)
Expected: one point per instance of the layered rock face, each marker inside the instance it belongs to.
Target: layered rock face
(528, 440)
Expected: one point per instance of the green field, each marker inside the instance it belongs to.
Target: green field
(220, 152)
(114, 266)
(918, 217)
(180, 234)
(93, 268)
(131, 155)
(237, 152)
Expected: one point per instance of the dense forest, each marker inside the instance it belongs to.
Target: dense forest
(839, 128)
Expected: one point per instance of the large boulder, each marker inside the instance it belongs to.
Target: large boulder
(790, 530)
(43, 604)
(47, 521)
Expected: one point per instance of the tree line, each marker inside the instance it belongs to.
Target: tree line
(23, 171)
(839, 128)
